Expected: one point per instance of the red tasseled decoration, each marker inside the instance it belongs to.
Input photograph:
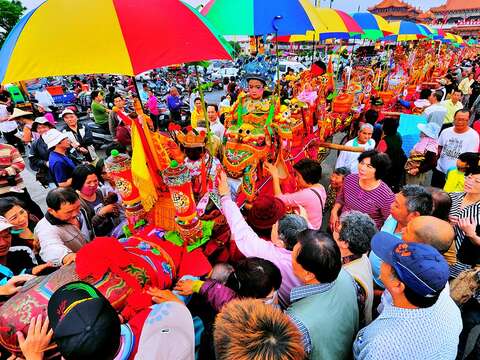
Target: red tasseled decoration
(203, 174)
(136, 303)
(194, 263)
(98, 256)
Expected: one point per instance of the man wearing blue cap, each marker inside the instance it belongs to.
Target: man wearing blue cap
(420, 324)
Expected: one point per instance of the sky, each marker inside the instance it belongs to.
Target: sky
(345, 5)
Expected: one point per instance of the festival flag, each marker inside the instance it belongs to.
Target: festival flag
(142, 178)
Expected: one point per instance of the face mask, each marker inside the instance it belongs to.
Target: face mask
(88, 190)
(16, 231)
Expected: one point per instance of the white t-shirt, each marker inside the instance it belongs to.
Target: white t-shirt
(453, 145)
(218, 129)
(5, 124)
(44, 99)
(349, 159)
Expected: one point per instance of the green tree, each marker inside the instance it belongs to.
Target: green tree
(10, 12)
(236, 48)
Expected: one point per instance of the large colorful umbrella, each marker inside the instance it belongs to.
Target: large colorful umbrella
(260, 17)
(64, 37)
(328, 24)
(405, 31)
(375, 27)
(427, 31)
(337, 24)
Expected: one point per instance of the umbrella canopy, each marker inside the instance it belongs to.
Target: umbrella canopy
(375, 27)
(64, 37)
(337, 24)
(427, 31)
(256, 17)
(405, 31)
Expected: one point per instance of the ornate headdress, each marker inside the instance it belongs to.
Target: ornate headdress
(192, 138)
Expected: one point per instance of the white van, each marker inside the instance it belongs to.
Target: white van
(284, 65)
(296, 66)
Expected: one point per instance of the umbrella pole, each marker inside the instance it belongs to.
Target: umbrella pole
(313, 50)
(202, 98)
(138, 92)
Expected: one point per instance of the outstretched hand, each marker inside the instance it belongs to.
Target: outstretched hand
(14, 284)
(185, 287)
(160, 296)
(272, 169)
(223, 188)
(38, 339)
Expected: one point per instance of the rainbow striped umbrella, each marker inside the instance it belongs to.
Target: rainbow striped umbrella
(427, 31)
(405, 31)
(339, 24)
(260, 17)
(375, 27)
(332, 24)
(64, 37)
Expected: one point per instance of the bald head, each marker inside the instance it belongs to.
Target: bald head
(431, 231)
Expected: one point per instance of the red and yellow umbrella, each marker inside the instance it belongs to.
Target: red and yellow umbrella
(64, 37)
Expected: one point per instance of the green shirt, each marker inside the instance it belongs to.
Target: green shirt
(100, 114)
(451, 110)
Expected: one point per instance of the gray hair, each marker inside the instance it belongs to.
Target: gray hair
(357, 230)
(288, 228)
(418, 199)
(366, 126)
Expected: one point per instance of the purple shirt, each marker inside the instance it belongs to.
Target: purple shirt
(250, 244)
(173, 102)
(375, 203)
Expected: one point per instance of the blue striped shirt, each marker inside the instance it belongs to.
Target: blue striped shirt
(410, 334)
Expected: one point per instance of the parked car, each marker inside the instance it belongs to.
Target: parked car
(225, 72)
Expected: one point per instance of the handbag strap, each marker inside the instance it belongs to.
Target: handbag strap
(318, 195)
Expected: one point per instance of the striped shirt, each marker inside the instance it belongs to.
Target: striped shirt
(11, 162)
(375, 203)
(412, 334)
(471, 212)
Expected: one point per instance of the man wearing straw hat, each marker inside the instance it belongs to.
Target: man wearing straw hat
(8, 123)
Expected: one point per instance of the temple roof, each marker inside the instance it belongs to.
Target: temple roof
(455, 5)
(391, 4)
(426, 15)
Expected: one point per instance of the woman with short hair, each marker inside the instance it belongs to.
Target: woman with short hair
(366, 192)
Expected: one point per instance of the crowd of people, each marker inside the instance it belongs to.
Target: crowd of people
(378, 265)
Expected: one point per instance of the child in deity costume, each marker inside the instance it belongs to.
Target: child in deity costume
(204, 168)
(249, 135)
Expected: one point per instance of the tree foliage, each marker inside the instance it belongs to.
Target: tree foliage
(10, 12)
(236, 48)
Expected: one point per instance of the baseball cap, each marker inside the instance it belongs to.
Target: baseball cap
(67, 111)
(84, 323)
(419, 266)
(167, 333)
(4, 224)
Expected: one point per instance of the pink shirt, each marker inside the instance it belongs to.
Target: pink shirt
(152, 105)
(426, 144)
(250, 244)
(310, 202)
